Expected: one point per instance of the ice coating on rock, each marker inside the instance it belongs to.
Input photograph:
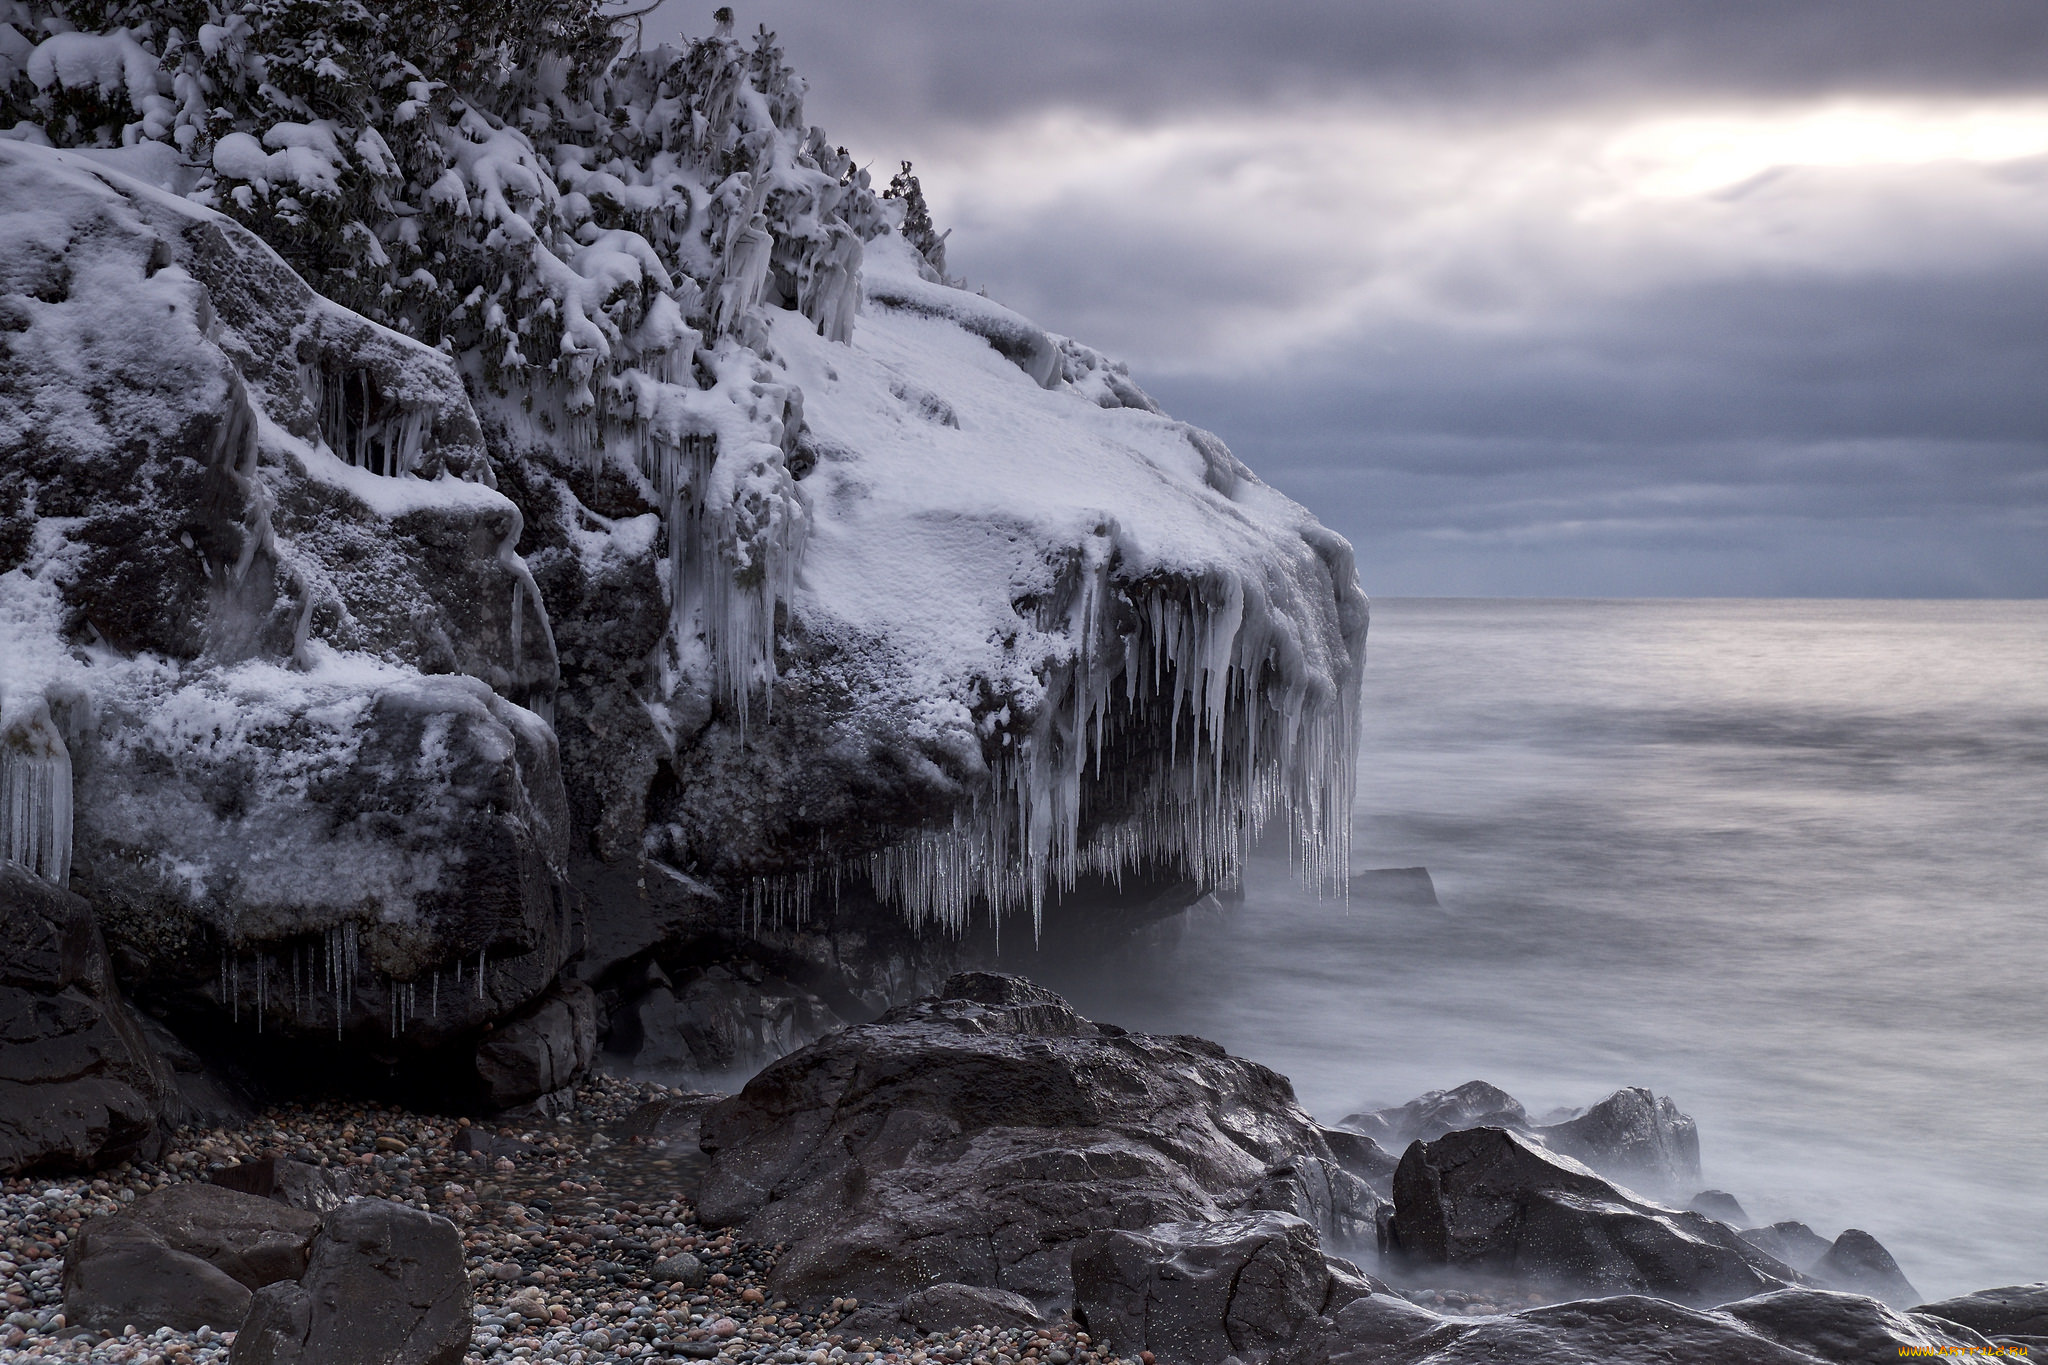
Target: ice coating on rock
(1063, 634)
(35, 789)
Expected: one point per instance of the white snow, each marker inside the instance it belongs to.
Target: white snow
(1032, 563)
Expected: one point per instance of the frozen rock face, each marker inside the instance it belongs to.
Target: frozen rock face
(287, 685)
(714, 557)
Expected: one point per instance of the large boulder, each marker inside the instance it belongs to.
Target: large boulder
(1493, 1201)
(264, 585)
(1785, 1327)
(386, 1286)
(1794, 1243)
(1198, 1293)
(139, 1264)
(294, 1184)
(1636, 1137)
(119, 1273)
(80, 1085)
(2019, 1310)
(977, 1135)
(1859, 1264)
(543, 1051)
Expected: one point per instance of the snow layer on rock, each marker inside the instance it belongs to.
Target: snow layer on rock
(1047, 576)
(1090, 625)
(247, 744)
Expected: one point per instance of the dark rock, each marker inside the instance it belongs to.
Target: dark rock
(1859, 1264)
(1796, 1244)
(209, 1096)
(1196, 1293)
(386, 1286)
(543, 1051)
(1492, 1201)
(80, 1085)
(950, 1307)
(986, 1130)
(119, 1272)
(1394, 886)
(1362, 1157)
(2019, 1310)
(252, 1239)
(1635, 1137)
(291, 1183)
(1786, 1327)
(1720, 1206)
(1474, 1104)
(681, 1268)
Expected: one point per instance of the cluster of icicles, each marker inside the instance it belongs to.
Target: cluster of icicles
(322, 977)
(1242, 749)
(35, 789)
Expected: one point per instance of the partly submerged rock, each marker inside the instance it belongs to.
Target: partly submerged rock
(2019, 1310)
(1492, 1201)
(1794, 1243)
(1784, 1327)
(1859, 1264)
(1394, 886)
(1720, 1206)
(1633, 1136)
(976, 1136)
(80, 1085)
(1428, 1117)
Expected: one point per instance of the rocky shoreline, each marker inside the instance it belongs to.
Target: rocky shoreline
(782, 1226)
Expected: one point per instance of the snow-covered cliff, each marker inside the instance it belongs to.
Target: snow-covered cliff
(655, 524)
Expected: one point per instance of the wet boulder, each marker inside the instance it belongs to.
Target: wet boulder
(295, 1184)
(253, 1240)
(1859, 1264)
(1794, 1243)
(120, 1272)
(1720, 1206)
(386, 1285)
(1633, 1136)
(1197, 1293)
(1494, 1202)
(2019, 1310)
(975, 1136)
(1474, 1104)
(1785, 1327)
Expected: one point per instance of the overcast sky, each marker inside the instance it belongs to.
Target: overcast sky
(1576, 297)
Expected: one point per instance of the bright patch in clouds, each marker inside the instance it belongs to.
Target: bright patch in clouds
(1228, 238)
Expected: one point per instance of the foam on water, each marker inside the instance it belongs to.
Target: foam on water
(1780, 860)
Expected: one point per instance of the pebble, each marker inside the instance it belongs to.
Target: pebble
(563, 1237)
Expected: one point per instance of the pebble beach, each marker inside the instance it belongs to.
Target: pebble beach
(580, 1247)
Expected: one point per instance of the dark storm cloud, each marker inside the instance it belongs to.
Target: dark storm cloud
(1459, 274)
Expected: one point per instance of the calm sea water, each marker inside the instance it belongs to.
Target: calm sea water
(1786, 862)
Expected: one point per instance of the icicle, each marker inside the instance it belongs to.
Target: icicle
(1257, 748)
(35, 789)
